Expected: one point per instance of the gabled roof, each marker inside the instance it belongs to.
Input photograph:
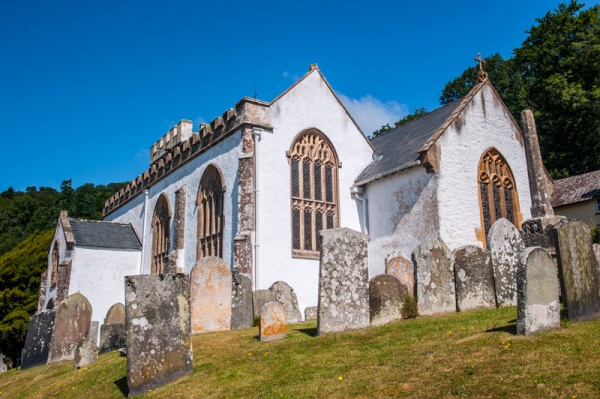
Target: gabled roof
(104, 234)
(574, 189)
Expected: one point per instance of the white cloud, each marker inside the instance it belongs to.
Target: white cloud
(371, 113)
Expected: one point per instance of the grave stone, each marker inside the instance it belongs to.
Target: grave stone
(37, 342)
(505, 244)
(597, 255)
(259, 298)
(71, 326)
(404, 270)
(93, 335)
(3, 366)
(434, 278)
(116, 314)
(343, 281)
(474, 278)
(157, 320)
(273, 322)
(210, 296)
(537, 292)
(310, 313)
(578, 270)
(112, 337)
(86, 353)
(285, 295)
(241, 301)
(386, 296)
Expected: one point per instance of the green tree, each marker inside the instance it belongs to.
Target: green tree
(414, 115)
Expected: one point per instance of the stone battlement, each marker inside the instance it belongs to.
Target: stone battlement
(178, 133)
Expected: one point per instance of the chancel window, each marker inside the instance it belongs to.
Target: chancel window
(161, 222)
(210, 214)
(497, 190)
(314, 191)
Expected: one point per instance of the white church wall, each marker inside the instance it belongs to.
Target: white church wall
(483, 124)
(99, 275)
(310, 104)
(225, 156)
(402, 213)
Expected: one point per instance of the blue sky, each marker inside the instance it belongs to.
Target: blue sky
(87, 87)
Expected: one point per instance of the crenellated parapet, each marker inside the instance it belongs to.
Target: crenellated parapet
(181, 144)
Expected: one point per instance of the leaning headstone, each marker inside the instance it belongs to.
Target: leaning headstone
(71, 326)
(210, 296)
(273, 322)
(159, 340)
(505, 244)
(116, 314)
(386, 296)
(285, 295)
(37, 342)
(86, 353)
(435, 278)
(537, 292)
(259, 298)
(310, 313)
(112, 337)
(343, 281)
(94, 327)
(241, 301)
(404, 270)
(578, 270)
(474, 278)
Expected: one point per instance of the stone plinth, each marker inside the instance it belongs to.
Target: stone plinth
(474, 278)
(343, 281)
(210, 296)
(505, 245)
(404, 270)
(241, 301)
(37, 342)
(386, 296)
(285, 295)
(434, 278)
(71, 326)
(273, 322)
(86, 353)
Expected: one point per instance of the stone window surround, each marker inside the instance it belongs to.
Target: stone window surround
(211, 219)
(161, 221)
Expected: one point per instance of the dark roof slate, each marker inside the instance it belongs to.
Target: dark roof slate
(575, 189)
(104, 234)
(400, 146)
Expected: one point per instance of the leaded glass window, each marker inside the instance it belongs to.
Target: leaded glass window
(161, 221)
(210, 214)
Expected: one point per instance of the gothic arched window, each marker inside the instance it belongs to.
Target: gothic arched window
(497, 190)
(314, 191)
(54, 272)
(210, 214)
(160, 234)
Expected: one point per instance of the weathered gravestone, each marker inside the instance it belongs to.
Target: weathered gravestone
(285, 295)
(3, 366)
(435, 277)
(259, 298)
(404, 270)
(210, 296)
(578, 270)
(159, 340)
(537, 292)
(273, 322)
(37, 342)
(505, 244)
(343, 281)
(93, 334)
(241, 301)
(597, 255)
(310, 313)
(386, 296)
(71, 326)
(474, 278)
(112, 332)
(86, 353)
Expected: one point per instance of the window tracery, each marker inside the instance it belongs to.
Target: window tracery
(161, 221)
(210, 214)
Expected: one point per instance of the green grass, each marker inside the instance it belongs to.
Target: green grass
(464, 355)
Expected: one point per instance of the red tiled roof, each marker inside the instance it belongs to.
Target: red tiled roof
(576, 189)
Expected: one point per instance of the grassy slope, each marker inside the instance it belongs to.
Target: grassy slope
(471, 354)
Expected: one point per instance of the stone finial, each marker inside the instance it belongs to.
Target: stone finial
(482, 75)
(313, 67)
(538, 185)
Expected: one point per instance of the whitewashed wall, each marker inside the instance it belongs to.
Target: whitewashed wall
(483, 124)
(309, 104)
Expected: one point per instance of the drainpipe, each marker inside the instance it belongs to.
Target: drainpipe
(256, 136)
(146, 194)
(358, 194)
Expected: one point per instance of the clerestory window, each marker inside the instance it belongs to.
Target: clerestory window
(314, 191)
(161, 221)
(210, 214)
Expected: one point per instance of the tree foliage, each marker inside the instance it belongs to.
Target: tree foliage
(414, 115)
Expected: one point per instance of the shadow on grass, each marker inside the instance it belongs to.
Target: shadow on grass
(508, 328)
(121, 383)
(311, 332)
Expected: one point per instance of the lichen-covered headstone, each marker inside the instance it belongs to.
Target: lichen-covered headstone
(597, 255)
(474, 278)
(86, 353)
(537, 292)
(259, 298)
(285, 295)
(505, 245)
(434, 277)
(242, 315)
(404, 270)
(343, 281)
(94, 327)
(273, 322)
(116, 314)
(37, 342)
(578, 270)
(159, 333)
(310, 313)
(71, 326)
(386, 296)
(210, 296)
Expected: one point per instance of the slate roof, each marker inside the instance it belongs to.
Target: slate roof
(399, 147)
(104, 234)
(574, 189)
